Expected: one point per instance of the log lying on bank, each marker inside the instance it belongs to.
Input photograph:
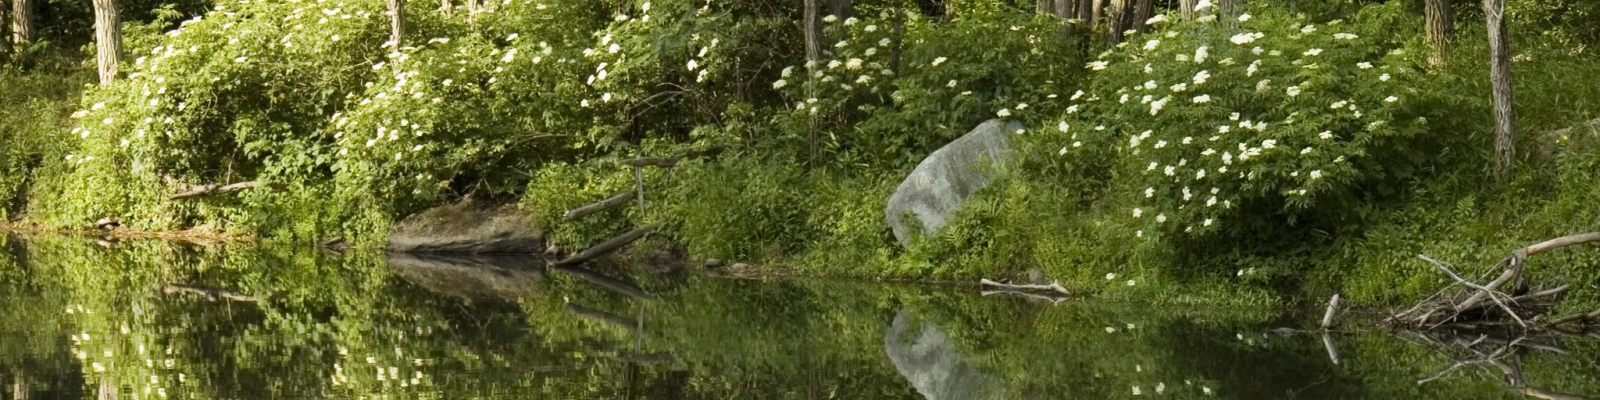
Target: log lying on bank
(607, 247)
(221, 190)
(602, 205)
(210, 294)
(1053, 292)
(1490, 305)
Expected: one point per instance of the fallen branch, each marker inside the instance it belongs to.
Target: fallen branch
(1480, 305)
(613, 201)
(1327, 317)
(216, 190)
(209, 293)
(607, 247)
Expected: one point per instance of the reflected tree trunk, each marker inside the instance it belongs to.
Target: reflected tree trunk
(108, 38)
(1500, 76)
(1440, 25)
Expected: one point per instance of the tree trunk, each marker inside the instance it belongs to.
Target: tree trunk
(1143, 10)
(1120, 19)
(1096, 10)
(813, 28)
(1228, 12)
(1046, 6)
(19, 387)
(1186, 7)
(397, 22)
(1440, 25)
(1086, 13)
(1066, 9)
(446, 8)
(108, 38)
(1500, 75)
(897, 43)
(21, 22)
(843, 9)
(472, 11)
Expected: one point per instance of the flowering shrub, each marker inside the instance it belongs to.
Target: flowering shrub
(1202, 119)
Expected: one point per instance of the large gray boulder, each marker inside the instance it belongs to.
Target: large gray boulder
(468, 227)
(944, 180)
(927, 358)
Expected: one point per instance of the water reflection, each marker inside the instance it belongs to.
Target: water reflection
(158, 320)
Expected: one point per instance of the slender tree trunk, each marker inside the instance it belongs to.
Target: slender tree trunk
(1120, 19)
(1143, 10)
(1096, 11)
(397, 22)
(22, 22)
(19, 387)
(1440, 26)
(813, 28)
(5, 29)
(1045, 6)
(843, 9)
(1500, 75)
(446, 8)
(472, 11)
(108, 38)
(1228, 12)
(897, 44)
(1186, 7)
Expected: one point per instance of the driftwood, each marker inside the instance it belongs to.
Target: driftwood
(210, 294)
(613, 201)
(1053, 292)
(607, 282)
(605, 248)
(1489, 305)
(220, 190)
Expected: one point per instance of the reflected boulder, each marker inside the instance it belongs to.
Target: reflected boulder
(943, 181)
(928, 358)
(470, 277)
(468, 227)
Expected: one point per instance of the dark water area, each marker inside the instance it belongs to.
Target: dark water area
(152, 320)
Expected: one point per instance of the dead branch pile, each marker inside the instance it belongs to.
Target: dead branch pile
(1505, 301)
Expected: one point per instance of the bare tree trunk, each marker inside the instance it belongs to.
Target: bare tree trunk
(1500, 75)
(446, 8)
(813, 28)
(19, 387)
(843, 9)
(1143, 10)
(1067, 9)
(1186, 7)
(1046, 6)
(1086, 13)
(472, 10)
(397, 22)
(1228, 11)
(897, 45)
(1440, 25)
(5, 30)
(108, 38)
(1120, 19)
(1096, 10)
(22, 22)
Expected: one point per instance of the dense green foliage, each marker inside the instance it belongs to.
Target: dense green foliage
(1308, 147)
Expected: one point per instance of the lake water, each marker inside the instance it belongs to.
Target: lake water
(149, 320)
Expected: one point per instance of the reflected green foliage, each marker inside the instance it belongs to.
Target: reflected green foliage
(94, 318)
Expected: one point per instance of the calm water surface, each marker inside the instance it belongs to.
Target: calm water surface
(150, 320)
